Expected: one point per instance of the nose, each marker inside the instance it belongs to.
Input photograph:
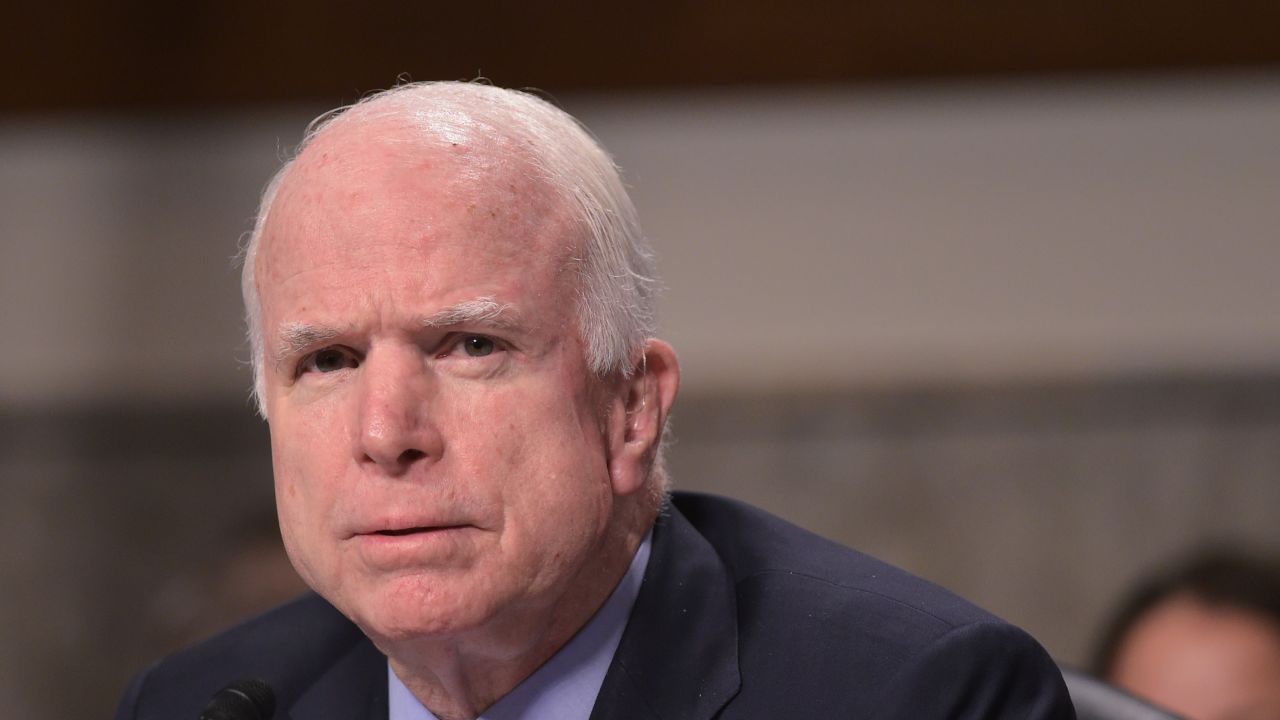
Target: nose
(395, 430)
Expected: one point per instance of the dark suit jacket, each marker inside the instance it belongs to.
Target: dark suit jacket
(740, 615)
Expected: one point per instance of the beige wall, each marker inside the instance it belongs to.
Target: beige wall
(807, 239)
(962, 233)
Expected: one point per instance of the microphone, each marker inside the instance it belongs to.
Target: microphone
(242, 700)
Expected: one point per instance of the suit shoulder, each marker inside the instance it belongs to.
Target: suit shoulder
(773, 561)
(982, 670)
(287, 647)
(814, 615)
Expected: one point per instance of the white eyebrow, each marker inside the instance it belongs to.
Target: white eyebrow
(480, 310)
(294, 337)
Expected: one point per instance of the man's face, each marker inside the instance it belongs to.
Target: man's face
(440, 447)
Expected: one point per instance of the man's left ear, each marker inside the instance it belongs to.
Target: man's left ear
(646, 399)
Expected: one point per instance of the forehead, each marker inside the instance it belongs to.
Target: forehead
(366, 184)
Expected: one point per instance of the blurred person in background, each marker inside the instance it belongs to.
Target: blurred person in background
(1201, 639)
(450, 306)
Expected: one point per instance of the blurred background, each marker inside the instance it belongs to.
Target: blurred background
(987, 290)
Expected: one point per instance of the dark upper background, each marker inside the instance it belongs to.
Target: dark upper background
(76, 56)
(132, 526)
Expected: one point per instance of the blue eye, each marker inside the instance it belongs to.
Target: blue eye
(477, 345)
(329, 360)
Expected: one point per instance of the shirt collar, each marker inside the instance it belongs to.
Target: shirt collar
(566, 686)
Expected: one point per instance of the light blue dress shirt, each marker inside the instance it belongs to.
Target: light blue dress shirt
(566, 686)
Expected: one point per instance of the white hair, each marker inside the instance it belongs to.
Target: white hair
(617, 284)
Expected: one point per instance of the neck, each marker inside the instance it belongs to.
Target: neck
(457, 678)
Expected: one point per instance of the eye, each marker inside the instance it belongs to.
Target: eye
(478, 345)
(471, 346)
(328, 360)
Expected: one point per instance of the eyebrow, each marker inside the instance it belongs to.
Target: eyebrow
(484, 310)
(295, 337)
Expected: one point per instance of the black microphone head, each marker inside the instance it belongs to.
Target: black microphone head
(243, 700)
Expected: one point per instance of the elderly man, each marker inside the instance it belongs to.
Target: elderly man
(451, 310)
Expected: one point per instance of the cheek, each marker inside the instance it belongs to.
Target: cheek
(290, 506)
(540, 448)
(299, 462)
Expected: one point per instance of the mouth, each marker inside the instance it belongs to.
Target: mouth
(401, 532)
(396, 548)
(405, 531)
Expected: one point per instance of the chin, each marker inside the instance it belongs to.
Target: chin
(416, 609)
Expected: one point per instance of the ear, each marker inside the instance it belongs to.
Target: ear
(644, 401)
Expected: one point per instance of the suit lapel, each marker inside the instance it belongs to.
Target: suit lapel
(353, 688)
(678, 657)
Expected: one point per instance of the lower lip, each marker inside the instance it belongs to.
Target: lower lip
(433, 546)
